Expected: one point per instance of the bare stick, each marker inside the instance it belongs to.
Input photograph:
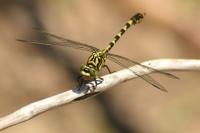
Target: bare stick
(29, 111)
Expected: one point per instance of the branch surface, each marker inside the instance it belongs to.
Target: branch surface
(29, 111)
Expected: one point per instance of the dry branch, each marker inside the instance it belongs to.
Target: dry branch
(29, 111)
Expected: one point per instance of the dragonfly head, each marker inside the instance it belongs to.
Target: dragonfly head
(87, 72)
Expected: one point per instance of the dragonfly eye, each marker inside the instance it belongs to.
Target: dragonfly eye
(86, 69)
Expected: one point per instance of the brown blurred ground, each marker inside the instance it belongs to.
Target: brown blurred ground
(29, 73)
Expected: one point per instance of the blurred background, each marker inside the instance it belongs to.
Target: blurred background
(30, 72)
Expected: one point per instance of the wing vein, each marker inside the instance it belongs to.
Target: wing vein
(146, 78)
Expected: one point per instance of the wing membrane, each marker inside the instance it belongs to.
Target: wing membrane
(146, 78)
(62, 42)
(127, 60)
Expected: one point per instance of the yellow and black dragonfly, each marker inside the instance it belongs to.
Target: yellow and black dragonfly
(97, 59)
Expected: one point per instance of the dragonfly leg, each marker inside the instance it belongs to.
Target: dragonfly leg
(94, 86)
(97, 81)
(106, 66)
(80, 80)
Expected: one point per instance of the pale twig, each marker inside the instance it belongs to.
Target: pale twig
(29, 111)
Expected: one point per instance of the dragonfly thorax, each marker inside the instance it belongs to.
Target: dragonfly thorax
(94, 64)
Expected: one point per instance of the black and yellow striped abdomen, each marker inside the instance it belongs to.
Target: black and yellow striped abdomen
(136, 19)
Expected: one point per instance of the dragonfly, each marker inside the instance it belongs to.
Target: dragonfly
(97, 60)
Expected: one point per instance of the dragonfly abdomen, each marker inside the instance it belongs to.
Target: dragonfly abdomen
(136, 19)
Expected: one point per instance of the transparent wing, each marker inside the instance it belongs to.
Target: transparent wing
(146, 78)
(131, 62)
(63, 42)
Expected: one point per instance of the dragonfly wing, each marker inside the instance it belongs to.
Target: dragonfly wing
(62, 42)
(131, 62)
(51, 43)
(146, 78)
